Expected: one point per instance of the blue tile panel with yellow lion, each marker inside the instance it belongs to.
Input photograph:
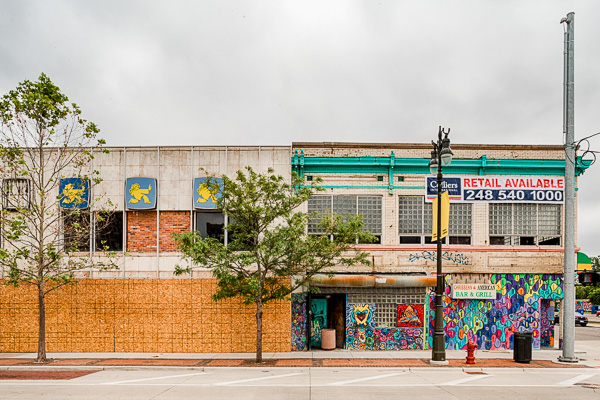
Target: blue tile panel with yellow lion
(523, 304)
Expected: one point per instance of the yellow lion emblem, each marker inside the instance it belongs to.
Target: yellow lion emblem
(138, 193)
(71, 195)
(206, 193)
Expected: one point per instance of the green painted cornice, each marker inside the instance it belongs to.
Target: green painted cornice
(401, 165)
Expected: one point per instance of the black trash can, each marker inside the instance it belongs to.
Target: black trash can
(523, 342)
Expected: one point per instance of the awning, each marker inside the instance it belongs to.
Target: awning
(583, 261)
(374, 281)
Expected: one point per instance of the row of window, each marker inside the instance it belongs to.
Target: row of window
(510, 224)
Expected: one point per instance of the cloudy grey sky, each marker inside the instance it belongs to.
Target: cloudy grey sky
(266, 72)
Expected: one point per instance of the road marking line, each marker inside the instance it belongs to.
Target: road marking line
(258, 379)
(364, 379)
(464, 380)
(150, 379)
(572, 381)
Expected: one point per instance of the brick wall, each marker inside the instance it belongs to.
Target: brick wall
(172, 222)
(139, 315)
(141, 229)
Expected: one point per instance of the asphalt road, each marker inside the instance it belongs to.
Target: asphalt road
(315, 383)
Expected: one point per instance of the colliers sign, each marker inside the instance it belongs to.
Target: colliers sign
(508, 189)
(473, 291)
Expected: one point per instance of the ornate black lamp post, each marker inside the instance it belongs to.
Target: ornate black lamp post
(440, 156)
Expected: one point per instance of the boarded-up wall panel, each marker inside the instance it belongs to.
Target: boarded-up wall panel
(139, 315)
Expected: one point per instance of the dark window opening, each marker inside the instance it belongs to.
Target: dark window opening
(410, 239)
(109, 231)
(76, 231)
(211, 224)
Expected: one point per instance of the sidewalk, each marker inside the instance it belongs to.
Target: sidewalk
(587, 353)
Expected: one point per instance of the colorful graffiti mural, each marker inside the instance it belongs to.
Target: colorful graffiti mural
(457, 258)
(318, 308)
(298, 321)
(360, 315)
(490, 323)
(410, 315)
(384, 338)
(584, 305)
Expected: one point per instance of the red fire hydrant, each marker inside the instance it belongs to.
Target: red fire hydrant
(471, 347)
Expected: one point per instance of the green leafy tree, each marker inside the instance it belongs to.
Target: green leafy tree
(43, 139)
(269, 254)
(595, 263)
(583, 292)
(594, 295)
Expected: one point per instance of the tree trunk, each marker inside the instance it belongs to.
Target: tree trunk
(259, 314)
(41, 354)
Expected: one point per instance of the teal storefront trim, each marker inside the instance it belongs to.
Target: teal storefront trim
(393, 165)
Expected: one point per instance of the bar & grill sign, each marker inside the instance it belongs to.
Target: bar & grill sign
(473, 291)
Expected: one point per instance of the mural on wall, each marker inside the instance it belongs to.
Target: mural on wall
(74, 193)
(519, 307)
(410, 315)
(457, 258)
(206, 193)
(318, 308)
(140, 193)
(298, 321)
(384, 338)
(547, 323)
(360, 315)
(584, 305)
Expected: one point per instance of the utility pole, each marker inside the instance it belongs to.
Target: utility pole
(568, 320)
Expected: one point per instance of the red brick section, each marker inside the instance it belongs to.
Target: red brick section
(141, 229)
(44, 375)
(172, 222)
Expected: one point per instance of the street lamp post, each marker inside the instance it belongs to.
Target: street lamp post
(440, 156)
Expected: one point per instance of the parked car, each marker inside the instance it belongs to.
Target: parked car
(580, 319)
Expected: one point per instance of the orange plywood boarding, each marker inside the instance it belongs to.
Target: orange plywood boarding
(139, 315)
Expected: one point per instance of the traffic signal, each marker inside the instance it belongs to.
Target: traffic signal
(589, 278)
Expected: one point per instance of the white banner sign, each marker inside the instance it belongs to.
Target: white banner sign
(473, 291)
(505, 189)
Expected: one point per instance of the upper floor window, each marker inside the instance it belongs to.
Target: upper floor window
(525, 224)
(415, 221)
(16, 193)
(369, 207)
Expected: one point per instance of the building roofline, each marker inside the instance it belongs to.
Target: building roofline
(306, 145)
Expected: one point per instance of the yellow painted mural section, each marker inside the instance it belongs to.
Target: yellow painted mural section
(139, 315)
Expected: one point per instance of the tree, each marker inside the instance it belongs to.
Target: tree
(594, 295)
(44, 143)
(595, 263)
(269, 255)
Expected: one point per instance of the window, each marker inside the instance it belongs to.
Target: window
(369, 207)
(525, 224)
(16, 193)
(109, 231)
(415, 221)
(211, 224)
(76, 231)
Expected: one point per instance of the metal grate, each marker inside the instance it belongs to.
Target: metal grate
(16, 193)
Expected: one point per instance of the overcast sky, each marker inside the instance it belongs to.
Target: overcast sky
(270, 72)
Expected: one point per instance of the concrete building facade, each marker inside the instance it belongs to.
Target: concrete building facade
(503, 258)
